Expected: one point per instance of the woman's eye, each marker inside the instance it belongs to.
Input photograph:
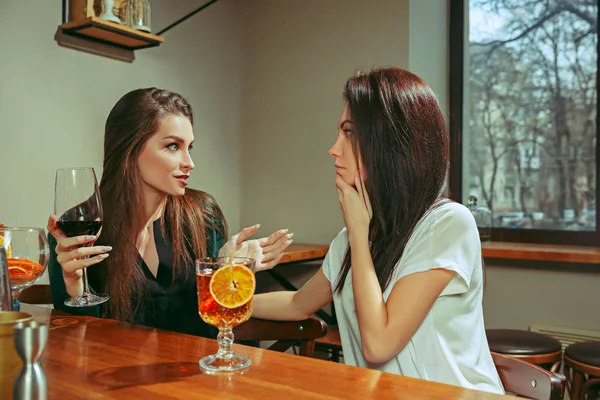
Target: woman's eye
(172, 146)
(348, 132)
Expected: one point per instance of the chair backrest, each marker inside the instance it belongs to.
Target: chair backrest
(36, 294)
(528, 380)
(286, 333)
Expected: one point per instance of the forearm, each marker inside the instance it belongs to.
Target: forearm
(370, 307)
(279, 306)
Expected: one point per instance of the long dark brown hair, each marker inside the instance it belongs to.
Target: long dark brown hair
(131, 122)
(402, 139)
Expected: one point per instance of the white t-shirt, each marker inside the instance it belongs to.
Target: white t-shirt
(450, 346)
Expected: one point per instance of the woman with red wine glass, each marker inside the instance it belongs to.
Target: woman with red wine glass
(79, 207)
(153, 226)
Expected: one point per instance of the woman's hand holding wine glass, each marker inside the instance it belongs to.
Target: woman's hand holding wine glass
(76, 224)
(73, 255)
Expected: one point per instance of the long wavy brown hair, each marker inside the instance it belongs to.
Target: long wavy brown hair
(131, 122)
(402, 139)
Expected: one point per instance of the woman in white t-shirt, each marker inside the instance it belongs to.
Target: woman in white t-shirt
(405, 274)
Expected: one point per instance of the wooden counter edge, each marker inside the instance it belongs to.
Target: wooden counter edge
(541, 252)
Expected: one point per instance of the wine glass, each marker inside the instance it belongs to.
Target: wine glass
(78, 208)
(225, 290)
(27, 253)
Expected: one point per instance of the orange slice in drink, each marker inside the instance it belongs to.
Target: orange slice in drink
(232, 286)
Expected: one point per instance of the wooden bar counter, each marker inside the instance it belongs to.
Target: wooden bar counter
(541, 252)
(300, 252)
(90, 358)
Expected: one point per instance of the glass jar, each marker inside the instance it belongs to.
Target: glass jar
(483, 218)
(137, 15)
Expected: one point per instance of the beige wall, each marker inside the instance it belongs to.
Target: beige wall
(54, 101)
(298, 55)
(520, 297)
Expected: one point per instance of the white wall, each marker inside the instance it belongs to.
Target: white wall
(54, 101)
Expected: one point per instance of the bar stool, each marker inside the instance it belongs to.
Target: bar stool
(582, 368)
(532, 347)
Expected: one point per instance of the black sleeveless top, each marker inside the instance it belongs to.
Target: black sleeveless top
(173, 305)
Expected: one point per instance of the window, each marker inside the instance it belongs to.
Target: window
(524, 115)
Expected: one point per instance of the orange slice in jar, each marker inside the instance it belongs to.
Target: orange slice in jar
(232, 286)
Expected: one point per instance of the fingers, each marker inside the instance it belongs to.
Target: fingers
(77, 264)
(343, 188)
(341, 202)
(274, 250)
(359, 186)
(368, 204)
(82, 257)
(340, 184)
(272, 238)
(245, 233)
(362, 192)
(270, 264)
(53, 228)
(84, 252)
(67, 244)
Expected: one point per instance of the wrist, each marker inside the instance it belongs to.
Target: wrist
(358, 240)
(74, 286)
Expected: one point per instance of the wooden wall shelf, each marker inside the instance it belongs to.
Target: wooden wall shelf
(108, 32)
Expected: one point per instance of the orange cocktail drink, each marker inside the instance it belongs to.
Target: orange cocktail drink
(225, 291)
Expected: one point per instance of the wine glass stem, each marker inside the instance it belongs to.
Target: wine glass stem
(225, 340)
(84, 280)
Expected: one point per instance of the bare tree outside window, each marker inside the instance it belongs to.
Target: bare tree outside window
(530, 112)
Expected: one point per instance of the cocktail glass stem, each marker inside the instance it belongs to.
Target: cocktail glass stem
(225, 360)
(225, 339)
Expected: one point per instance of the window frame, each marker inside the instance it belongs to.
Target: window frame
(457, 47)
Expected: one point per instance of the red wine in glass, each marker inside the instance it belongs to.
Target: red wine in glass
(78, 207)
(79, 228)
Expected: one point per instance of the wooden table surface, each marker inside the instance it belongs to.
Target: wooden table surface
(304, 252)
(90, 358)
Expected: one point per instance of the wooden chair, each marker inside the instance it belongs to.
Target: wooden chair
(36, 294)
(331, 343)
(286, 333)
(528, 380)
(532, 347)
